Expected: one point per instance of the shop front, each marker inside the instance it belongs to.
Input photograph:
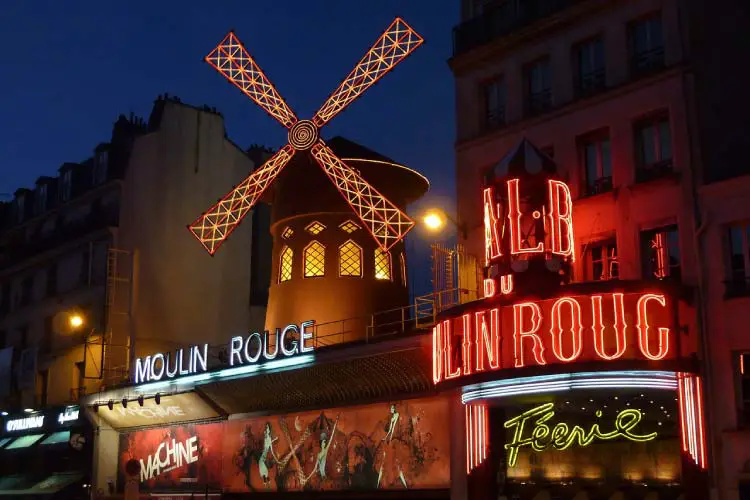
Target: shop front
(45, 454)
(571, 390)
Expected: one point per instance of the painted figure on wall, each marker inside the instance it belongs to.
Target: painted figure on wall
(376, 447)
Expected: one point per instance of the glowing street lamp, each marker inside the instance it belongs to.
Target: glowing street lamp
(433, 220)
(75, 321)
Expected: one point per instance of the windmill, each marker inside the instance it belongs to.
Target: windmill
(385, 221)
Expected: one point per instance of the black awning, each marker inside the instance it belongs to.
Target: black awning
(375, 376)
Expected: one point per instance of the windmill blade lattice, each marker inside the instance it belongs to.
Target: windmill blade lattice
(385, 221)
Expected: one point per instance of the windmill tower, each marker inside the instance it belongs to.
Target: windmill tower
(338, 251)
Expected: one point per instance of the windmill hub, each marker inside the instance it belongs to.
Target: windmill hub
(303, 135)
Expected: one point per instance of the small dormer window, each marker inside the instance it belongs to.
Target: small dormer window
(100, 167)
(66, 185)
(40, 200)
(20, 208)
(315, 227)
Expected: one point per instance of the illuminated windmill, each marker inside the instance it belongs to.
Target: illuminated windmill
(384, 220)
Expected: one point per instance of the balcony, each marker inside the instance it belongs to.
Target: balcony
(500, 19)
(658, 170)
(590, 83)
(647, 62)
(538, 102)
(494, 119)
(599, 186)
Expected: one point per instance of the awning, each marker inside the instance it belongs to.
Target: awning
(26, 485)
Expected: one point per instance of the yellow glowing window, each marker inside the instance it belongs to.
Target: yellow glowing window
(285, 264)
(382, 264)
(315, 259)
(287, 233)
(314, 227)
(402, 261)
(349, 226)
(350, 259)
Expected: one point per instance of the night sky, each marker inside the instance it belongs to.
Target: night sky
(71, 67)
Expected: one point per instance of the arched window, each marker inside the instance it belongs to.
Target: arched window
(382, 264)
(285, 264)
(402, 261)
(350, 259)
(315, 259)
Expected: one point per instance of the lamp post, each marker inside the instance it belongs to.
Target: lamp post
(435, 219)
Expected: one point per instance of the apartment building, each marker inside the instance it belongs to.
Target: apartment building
(626, 97)
(96, 262)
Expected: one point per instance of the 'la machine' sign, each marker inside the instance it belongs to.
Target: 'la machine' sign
(253, 349)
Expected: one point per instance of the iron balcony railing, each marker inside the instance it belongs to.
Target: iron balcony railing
(656, 170)
(599, 186)
(501, 18)
(590, 83)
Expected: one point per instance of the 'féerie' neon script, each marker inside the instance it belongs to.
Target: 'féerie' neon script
(562, 437)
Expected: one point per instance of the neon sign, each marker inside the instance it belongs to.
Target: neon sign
(289, 341)
(568, 329)
(556, 218)
(26, 423)
(562, 436)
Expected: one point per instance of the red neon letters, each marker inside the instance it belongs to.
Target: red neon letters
(583, 328)
(558, 222)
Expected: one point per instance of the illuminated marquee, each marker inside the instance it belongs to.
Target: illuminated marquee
(573, 328)
(289, 341)
(562, 436)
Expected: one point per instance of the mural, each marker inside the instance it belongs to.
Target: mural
(395, 445)
(385, 446)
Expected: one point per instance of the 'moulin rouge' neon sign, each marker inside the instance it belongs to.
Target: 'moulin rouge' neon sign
(572, 328)
(562, 436)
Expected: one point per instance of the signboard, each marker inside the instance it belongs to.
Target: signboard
(289, 341)
(173, 408)
(502, 334)
(47, 421)
(398, 445)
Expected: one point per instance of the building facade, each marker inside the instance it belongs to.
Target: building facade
(626, 98)
(91, 273)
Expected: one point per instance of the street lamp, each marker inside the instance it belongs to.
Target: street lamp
(435, 219)
(75, 320)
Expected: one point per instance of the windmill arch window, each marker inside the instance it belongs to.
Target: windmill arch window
(314, 227)
(350, 259)
(315, 259)
(287, 233)
(286, 257)
(382, 264)
(348, 226)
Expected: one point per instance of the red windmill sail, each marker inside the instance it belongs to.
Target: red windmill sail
(385, 221)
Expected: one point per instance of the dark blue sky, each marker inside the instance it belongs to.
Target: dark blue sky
(71, 67)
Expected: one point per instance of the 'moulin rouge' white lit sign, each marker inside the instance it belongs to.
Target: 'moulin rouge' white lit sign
(255, 349)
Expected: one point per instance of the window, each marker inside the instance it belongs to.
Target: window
(315, 227)
(653, 148)
(20, 208)
(597, 162)
(646, 44)
(66, 185)
(51, 288)
(738, 282)
(602, 262)
(743, 405)
(42, 384)
(285, 264)
(402, 261)
(382, 264)
(537, 85)
(56, 437)
(85, 265)
(589, 66)
(350, 259)
(27, 290)
(660, 251)
(287, 233)
(40, 198)
(99, 173)
(49, 334)
(493, 104)
(348, 226)
(315, 260)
